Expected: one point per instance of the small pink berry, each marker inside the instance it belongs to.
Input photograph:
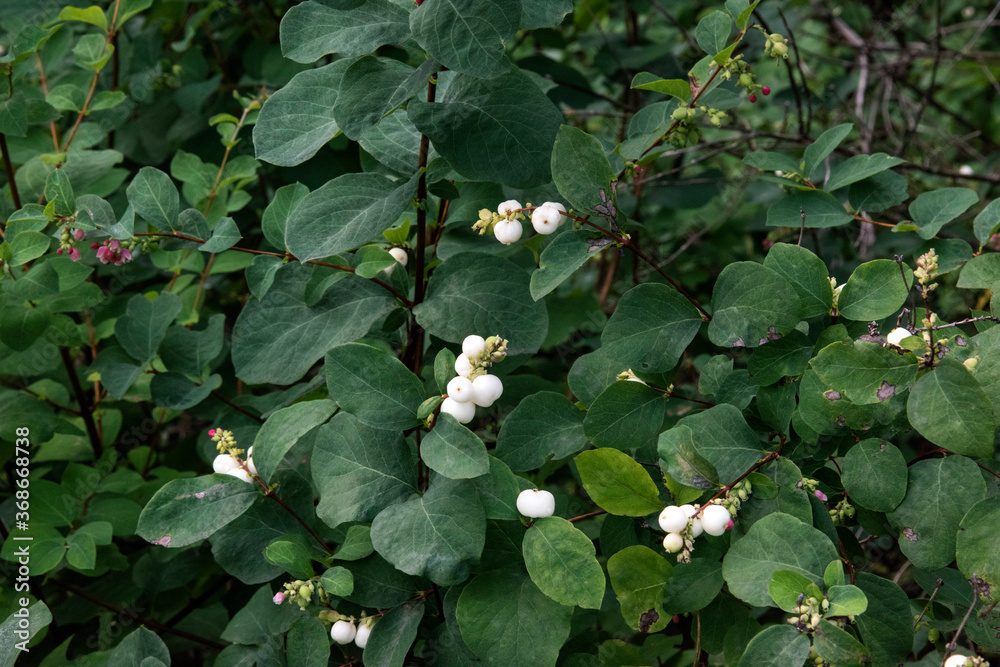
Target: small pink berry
(753, 98)
(59, 251)
(765, 90)
(94, 245)
(78, 234)
(819, 494)
(74, 254)
(729, 526)
(279, 597)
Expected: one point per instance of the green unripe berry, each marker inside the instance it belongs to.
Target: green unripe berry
(775, 38)
(746, 80)
(779, 51)
(679, 114)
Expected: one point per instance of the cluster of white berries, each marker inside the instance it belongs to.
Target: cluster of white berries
(228, 462)
(345, 632)
(536, 503)
(506, 223)
(682, 526)
(472, 386)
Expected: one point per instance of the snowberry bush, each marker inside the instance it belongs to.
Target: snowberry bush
(503, 332)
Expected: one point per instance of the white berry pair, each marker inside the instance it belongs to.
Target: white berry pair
(713, 519)
(227, 464)
(345, 632)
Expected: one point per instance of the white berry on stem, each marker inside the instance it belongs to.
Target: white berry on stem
(343, 632)
(714, 519)
(250, 466)
(223, 463)
(507, 231)
(463, 412)
(460, 389)
(399, 255)
(473, 346)
(536, 503)
(672, 519)
(486, 389)
(463, 366)
(956, 661)
(508, 207)
(559, 207)
(896, 336)
(361, 638)
(545, 219)
(240, 473)
(673, 542)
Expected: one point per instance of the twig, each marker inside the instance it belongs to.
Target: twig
(93, 84)
(949, 648)
(57, 406)
(8, 168)
(225, 400)
(940, 583)
(587, 515)
(81, 398)
(756, 466)
(970, 320)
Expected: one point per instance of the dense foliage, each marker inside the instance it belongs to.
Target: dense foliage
(592, 333)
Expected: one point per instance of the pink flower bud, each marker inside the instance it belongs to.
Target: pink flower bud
(78, 234)
(74, 254)
(126, 255)
(729, 526)
(211, 433)
(819, 494)
(279, 597)
(114, 244)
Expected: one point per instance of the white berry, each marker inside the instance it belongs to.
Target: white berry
(545, 219)
(536, 503)
(399, 255)
(473, 346)
(896, 336)
(688, 510)
(507, 231)
(460, 389)
(343, 632)
(240, 473)
(463, 412)
(714, 519)
(486, 389)
(673, 542)
(508, 207)
(672, 519)
(956, 661)
(463, 366)
(250, 466)
(361, 639)
(696, 527)
(223, 463)
(559, 207)
(965, 170)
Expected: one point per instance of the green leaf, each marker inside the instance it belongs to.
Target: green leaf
(283, 429)
(580, 169)
(185, 511)
(678, 88)
(626, 415)
(682, 462)
(887, 626)
(260, 274)
(372, 260)
(978, 544)
(987, 223)
(337, 581)
(260, 619)
(837, 647)
(374, 386)
(743, 18)
(617, 483)
(145, 322)
(865, 372)
(359, 470)
(544, 14)
(860, 167)
(846, 600)
(875, 290)
(949, 407)
(393, 636)
(777, 646)
(692, 586)
(178, 392)
(308, 644)
(467, 35)
(314, 29)
(722, 437)
(346, 212)
(21, 326)
(276, 214)
(786, 587)
(14, 115)
(562, 562)
(92, 52)
(92, 15)
(751, 305)
(825, 144)
(821, 210)
(439, 535)
(879, 192)
(357, 544)
(453, 450)
(499, 490)
(371, 88)
(543, 425)
(297, 120)
(650, 329)
(189, 351)
(980, 272)
(154, 197)
(806, 273)
(786, 357)
(59, 193)
(485, 137)
(141, 646)
(505, 620)
(290, 553)
(638, 575)
(478, 292)
(224, 237)
(26, 246)
(939, 493)
(278, 338)
(713, 32)
(933, 210)
(874, 473)
(560, 259)
(776, 542)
